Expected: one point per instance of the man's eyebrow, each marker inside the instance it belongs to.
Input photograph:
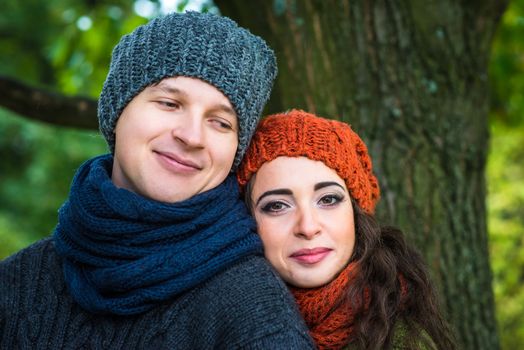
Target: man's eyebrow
(167, 88)
(277, 191)
(227, 109)
(320, 185)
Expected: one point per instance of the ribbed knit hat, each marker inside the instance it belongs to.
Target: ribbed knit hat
(200, 45)
(301, 134)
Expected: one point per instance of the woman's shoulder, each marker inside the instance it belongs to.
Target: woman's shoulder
(401, 336)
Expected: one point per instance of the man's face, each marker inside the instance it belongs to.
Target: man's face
(174, 140)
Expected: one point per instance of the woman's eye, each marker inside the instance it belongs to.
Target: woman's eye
(330, 200)
(274, 207)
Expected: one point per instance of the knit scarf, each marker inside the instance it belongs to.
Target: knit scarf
(328, 315)
(123, 253)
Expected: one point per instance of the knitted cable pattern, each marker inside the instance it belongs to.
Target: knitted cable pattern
(123, 253)
(300, 134)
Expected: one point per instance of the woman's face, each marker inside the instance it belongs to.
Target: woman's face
(305, 219)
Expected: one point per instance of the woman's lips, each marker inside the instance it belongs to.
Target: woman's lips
(177, 164)
(310, 256)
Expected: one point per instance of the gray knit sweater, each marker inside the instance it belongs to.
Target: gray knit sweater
(244, 307)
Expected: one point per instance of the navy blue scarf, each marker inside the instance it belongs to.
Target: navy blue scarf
(123, 253)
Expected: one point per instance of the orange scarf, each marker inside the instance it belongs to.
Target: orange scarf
(328, 315)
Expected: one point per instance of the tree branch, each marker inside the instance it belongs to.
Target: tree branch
(52, 108)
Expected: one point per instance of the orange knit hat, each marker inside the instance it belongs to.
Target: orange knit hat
(300, 134)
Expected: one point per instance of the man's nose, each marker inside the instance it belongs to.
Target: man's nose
(189, 129)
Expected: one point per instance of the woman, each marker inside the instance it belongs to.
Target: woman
(308, 182)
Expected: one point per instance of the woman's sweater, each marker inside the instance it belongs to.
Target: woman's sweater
(243, 307)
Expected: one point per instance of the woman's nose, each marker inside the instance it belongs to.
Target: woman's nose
(307, 225)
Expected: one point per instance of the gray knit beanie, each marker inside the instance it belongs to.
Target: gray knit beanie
(200, 45)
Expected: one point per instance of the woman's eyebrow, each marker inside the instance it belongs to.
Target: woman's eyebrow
(320, 185)
(277, 191)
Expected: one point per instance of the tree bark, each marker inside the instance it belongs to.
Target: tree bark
(48, 107)
(411, 77)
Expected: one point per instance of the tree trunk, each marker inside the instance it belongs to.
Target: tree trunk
(411, 77)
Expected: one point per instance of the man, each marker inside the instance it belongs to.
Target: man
(153, 248)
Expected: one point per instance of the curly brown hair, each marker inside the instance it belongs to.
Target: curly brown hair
(383, 254)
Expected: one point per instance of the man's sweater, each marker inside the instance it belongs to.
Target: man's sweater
(243, 307)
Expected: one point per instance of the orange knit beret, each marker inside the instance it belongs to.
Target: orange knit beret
(300, 134)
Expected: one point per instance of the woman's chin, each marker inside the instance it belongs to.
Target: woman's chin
(309, 281)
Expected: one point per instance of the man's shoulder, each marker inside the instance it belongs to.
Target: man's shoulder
(249, 278)
(252, 286)
(249, 303)
(43, 248)
(31, 268)
(253, 268)
(35, 270)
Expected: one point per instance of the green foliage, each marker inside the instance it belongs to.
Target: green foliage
(505, 174)
(63, 44)
(507, 67)
(37, 167)
(506, 225)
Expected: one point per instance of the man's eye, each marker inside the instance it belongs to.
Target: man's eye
(220, 123)
(168, 104)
